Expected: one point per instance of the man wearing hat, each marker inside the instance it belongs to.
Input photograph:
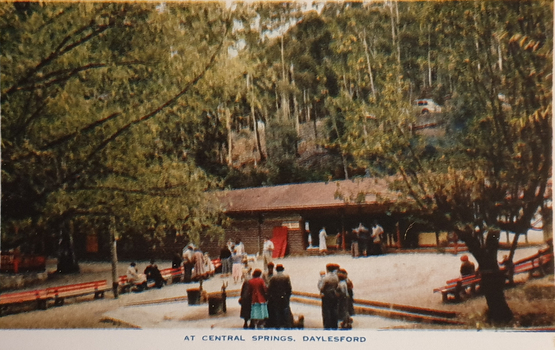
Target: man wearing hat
(279, 292)
(328, 291)
(269, 273)
(467, 267)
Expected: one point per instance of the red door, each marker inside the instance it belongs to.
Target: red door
(280, 241)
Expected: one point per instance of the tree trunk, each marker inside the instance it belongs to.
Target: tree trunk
(229, 137)
(366, 51)
(429, 58)
(493, 285)
(114, 254)
(67, 262)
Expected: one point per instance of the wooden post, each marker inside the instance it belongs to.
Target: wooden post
(342, 231)
(398, 235)
(114, 254)
(260, 220)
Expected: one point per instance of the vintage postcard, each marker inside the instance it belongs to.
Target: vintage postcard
(366, 174)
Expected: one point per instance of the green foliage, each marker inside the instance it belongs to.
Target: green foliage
(91, 95)
(131, 109)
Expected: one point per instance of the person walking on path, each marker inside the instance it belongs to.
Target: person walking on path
(239, 247)
(328, 291)
(266, 276)
(279, 293)
(322, 245)
(188, 263)
(364, 239)
(225, 257)
(354, 243)
(198, 260)
(245, 301)
(267, 252)
(258, 294)
(237, 266)
(343, 301)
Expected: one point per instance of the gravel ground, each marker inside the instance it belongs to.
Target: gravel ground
(405, 278)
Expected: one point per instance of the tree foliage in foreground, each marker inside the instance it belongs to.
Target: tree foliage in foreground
(89, 93)
(495, 174)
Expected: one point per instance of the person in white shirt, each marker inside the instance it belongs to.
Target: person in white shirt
(267, 252)
(377, 233)
(135, 278)
(239, 248)
(322, 247)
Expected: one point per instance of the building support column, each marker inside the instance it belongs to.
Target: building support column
(343, 230)
(260, 221)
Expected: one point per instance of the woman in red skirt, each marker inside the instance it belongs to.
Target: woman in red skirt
(258, 292)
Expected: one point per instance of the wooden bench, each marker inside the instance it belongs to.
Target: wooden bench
(217, 265)
(458, 286)
(123, 285)
(38, 296)
(173, 274)
(538, 262)
(75, 290)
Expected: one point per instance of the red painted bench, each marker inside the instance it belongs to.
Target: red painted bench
(74, 290)
(534, 263)
(123, 285)
(456, 287)
(217, 265)
(38, 296)
(538, 262)
(173, 274)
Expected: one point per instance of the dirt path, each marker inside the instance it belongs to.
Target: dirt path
(406, 279)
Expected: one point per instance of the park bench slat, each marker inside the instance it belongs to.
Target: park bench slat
(20, 297)
(74, 290)
(530, 264)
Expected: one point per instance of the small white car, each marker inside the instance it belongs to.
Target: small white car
(424, 106)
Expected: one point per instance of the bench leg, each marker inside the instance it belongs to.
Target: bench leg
(99, 295)
(59, 301)
(444, 297)
(41, 304)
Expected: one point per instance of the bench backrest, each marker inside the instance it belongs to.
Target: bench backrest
(169, 272)
(22, 296)
(77, 288)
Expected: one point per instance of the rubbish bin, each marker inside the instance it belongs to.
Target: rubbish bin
(193, 296)
(215, 304)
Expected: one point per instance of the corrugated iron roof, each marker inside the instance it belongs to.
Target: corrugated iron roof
(366, 191)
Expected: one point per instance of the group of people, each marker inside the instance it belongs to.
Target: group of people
(265, 299)
(363, 241)
(196, 264)
(233, 257)
(151, 277)
(336, 291)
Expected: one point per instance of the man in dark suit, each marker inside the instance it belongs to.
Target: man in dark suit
(279, 292)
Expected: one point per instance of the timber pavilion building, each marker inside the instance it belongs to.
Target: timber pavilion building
(292, 215)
